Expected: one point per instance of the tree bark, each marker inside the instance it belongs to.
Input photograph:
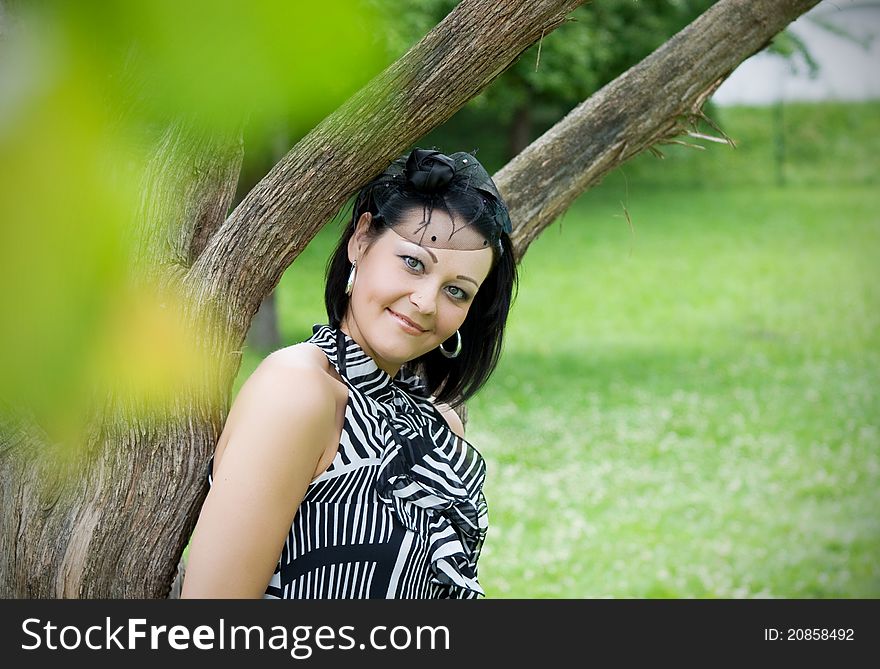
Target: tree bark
(264, 334)
(110, 517)
(117, 528)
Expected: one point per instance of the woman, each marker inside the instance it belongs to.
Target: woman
(341, 454)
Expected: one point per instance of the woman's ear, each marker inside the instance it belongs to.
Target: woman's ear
(358, 240)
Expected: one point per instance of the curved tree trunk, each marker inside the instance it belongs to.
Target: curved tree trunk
(114, 523)
(117, 528)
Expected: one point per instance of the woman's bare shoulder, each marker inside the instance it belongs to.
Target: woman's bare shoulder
(452, 418)
(285, 372)
(298, 356)
(290, 386)
(279, 426)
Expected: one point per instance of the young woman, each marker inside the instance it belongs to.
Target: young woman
(342, 471)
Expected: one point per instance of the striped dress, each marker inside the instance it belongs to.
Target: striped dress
(400, 511)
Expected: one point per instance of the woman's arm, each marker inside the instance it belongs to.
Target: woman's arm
(277, 429)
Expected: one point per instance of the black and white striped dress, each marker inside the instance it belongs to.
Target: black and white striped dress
(400, 512)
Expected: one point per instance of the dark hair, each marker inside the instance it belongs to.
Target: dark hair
(452, 381)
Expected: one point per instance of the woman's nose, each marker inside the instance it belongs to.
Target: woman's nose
(423, 301)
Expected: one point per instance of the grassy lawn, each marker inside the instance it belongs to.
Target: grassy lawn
(690, 409)
(684, 409)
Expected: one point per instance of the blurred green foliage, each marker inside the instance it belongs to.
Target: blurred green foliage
(86, 88)
(598, 41)
(221, 62)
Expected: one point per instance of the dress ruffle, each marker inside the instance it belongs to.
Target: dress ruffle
(429, 476)
(417, 476)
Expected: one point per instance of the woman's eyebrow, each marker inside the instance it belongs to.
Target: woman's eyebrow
(434, 258)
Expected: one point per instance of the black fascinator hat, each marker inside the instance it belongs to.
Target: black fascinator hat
(457, 183)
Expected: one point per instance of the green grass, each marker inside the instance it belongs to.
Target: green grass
(796, 144)
(690, 410)
(684, 409)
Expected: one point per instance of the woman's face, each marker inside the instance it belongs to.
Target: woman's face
(433, 288)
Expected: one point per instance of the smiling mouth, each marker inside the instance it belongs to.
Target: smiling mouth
(406, 322)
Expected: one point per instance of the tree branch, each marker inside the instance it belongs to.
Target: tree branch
(477, 41)
(652, 101)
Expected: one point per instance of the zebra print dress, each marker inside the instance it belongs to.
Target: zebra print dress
(400, 511)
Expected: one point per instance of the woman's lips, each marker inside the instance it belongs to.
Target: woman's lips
(405, 323)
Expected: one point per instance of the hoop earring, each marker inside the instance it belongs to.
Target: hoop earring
(350, 285)
(454, 354)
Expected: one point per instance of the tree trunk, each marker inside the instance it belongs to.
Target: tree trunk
(117, 527)
(110, 517)
(520, 130)
(263, 334)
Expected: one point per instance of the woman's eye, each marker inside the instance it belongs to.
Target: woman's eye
(459, 294)
(415, 264)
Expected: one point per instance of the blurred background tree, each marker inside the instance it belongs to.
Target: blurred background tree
(600, 41)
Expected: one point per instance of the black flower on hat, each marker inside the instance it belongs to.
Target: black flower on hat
(428, 171)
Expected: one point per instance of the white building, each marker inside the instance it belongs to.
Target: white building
(849, 63)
